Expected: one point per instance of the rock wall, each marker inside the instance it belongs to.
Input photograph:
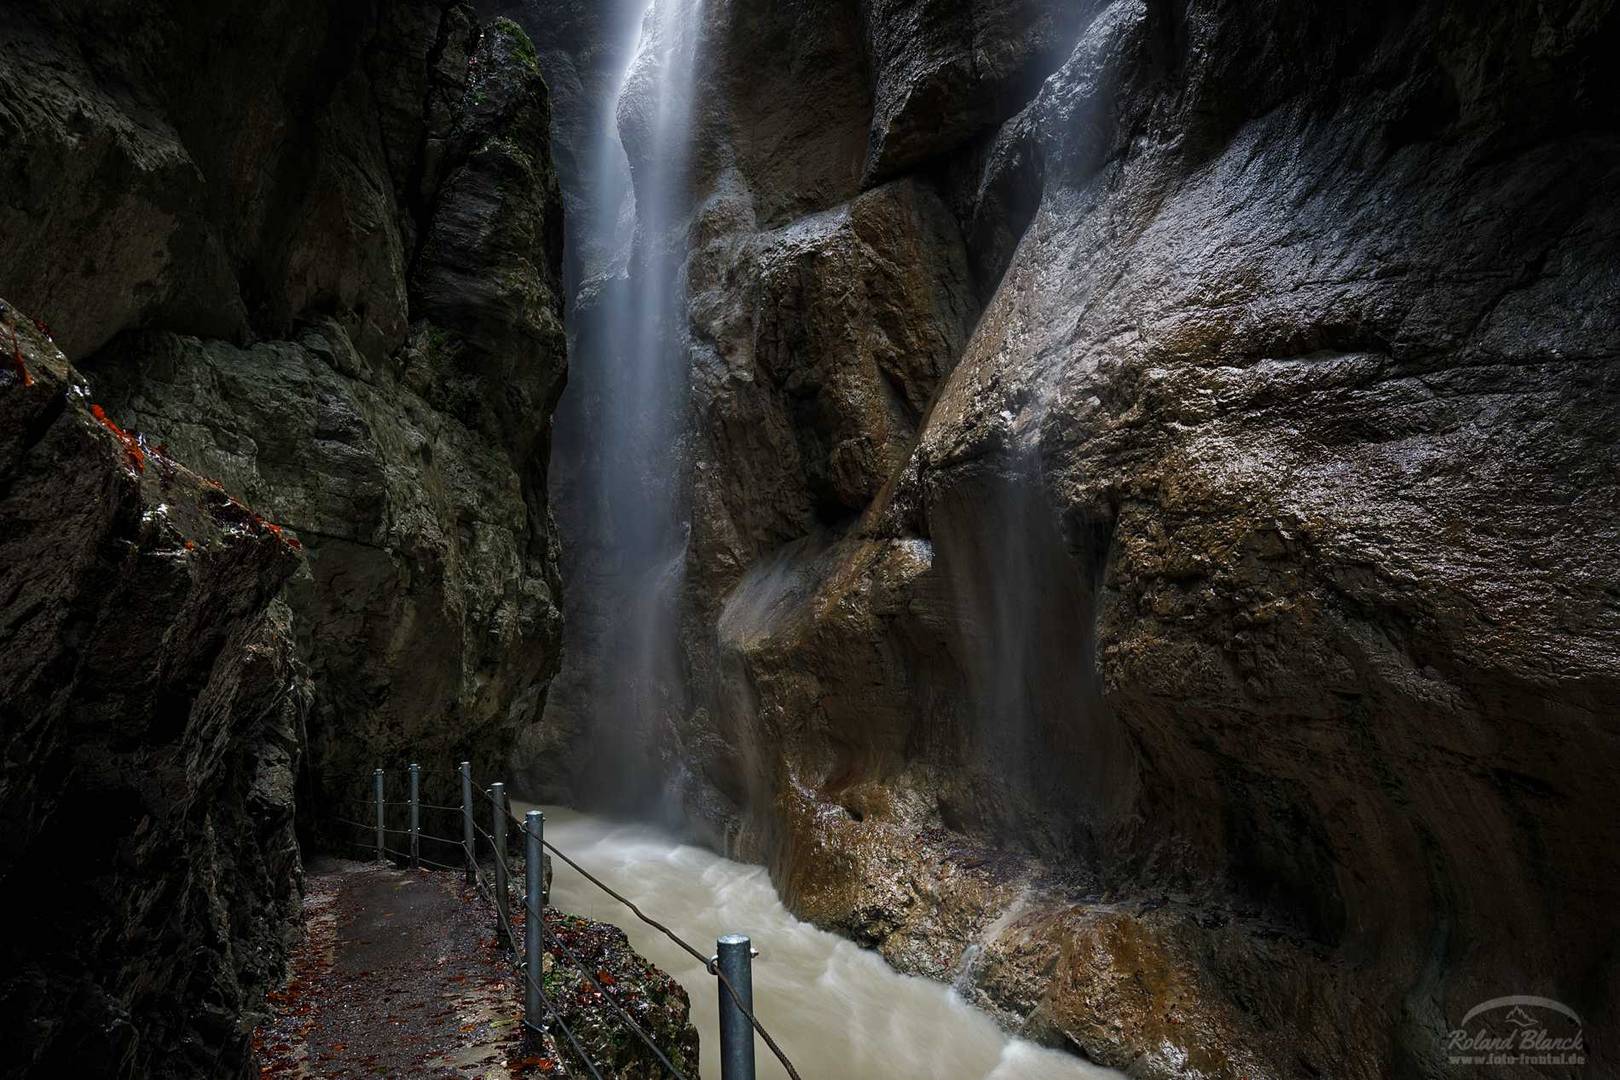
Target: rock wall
(311, 251)
(151, 704)
(1152, 486)
(346, 309)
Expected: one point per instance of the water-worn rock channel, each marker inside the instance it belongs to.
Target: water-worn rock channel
(837, 1010)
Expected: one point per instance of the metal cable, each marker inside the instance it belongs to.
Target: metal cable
(401, 832)
(609, 998)
(579, 1051)
(501, 859)
(552, 1011)
(371, 826)
(402, 855)
(506, 926)
(556, 1014)
(676, 938)
(439, 865)
(364, 847)
(503, 921)
(667, 932)
(436, 806)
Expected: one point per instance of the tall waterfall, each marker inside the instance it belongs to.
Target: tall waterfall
(629, 368)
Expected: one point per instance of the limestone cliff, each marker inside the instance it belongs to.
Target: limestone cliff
(311, 252)
(345, 308)
(150, 709)
(1152, 478)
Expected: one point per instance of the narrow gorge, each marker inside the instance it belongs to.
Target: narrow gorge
(1113, 505)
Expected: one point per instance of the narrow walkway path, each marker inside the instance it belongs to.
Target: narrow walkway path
(397, 976)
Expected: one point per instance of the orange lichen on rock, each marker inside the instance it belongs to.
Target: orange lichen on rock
(19, 368)
(229, 510)
(277, 531)
(132, 446)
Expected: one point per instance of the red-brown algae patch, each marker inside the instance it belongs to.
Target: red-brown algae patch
(131, 444)
(19, 369)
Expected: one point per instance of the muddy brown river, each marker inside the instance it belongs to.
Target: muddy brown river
(839, 1011)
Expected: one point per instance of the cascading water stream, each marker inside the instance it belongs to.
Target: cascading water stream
(1034, 730)
(630, 362)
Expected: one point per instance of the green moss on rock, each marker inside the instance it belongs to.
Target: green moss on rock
(520, 44)
(656, 1002)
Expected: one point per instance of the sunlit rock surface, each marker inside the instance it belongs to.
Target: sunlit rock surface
(1227, 646)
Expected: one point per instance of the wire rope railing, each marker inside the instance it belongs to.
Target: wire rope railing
(630, 1021)
(731, 965)
(710, 963)
(552, 1012)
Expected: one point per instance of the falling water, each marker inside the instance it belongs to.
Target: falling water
(1034, 734)
(629, 360)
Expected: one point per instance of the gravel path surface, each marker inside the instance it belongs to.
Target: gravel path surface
(398, 976)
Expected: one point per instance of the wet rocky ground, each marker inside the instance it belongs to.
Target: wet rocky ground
(400, 973)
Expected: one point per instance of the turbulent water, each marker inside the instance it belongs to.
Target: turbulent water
(838, 1011)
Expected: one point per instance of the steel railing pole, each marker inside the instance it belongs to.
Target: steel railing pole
(377, 791)
(416, 814)
(534, 907)
(497, 791)
(734, 958)
(468, 840)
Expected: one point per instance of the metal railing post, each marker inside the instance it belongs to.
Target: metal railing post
(503, 925)
(377, 790)
(534, 914)
(416, 814)
(468, 841)
(734, 959)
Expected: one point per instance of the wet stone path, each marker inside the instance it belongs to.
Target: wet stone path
(398, 975)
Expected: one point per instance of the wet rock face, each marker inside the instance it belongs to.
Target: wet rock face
(854, 379)
(388, 253)
(944, 71)
(314, 252)
(1244, 569)
(150, 704)
(228, 211)
(835, 332)
(1351, 494)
